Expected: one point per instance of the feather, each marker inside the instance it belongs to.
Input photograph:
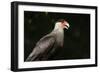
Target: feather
(42, 48)
(47, 45)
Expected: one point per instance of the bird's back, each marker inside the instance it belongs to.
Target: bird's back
(43, 48)
(46, 46)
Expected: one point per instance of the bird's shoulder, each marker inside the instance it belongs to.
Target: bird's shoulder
(47, 39)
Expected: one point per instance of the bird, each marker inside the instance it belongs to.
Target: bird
(47, 45)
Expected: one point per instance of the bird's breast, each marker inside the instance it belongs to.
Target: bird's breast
(60, 38)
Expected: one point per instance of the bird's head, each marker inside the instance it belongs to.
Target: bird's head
(62, 24)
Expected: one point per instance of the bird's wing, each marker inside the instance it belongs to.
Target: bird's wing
(44, 45)
(46, 42)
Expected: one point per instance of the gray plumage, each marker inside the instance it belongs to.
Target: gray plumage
(47, 45)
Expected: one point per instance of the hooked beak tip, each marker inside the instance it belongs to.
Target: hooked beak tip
(67, 26)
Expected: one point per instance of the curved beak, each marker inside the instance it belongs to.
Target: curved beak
(66, 25)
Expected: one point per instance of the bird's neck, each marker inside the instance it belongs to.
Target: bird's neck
(58, 28)
(59, 32)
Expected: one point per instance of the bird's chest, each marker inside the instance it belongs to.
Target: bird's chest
(59, 39)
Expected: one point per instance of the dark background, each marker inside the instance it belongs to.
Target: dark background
(76, 38)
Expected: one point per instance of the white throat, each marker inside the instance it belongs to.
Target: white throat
(59, 33)
(58, 26)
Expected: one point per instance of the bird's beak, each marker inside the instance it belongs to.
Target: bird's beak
(66, 26)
